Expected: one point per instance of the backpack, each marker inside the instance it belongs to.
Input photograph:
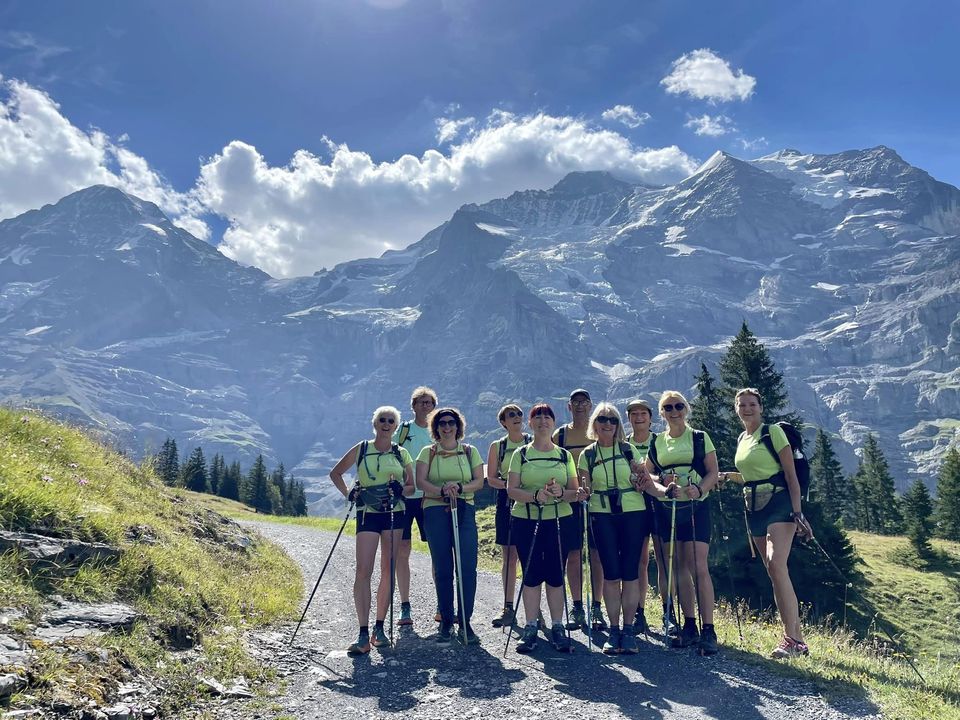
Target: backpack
(404, 434)
(800, 462)
(502, 450)
(362, 452)
(626, 449)
(698, 464)
(564, 455)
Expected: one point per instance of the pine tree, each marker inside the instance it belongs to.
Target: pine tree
(948, 497)
(918, 517)
(886, 518)
(708, 413)
(299, 498)
(863, 516)
(216, 472)
(257, 487)
(278, 479)
(167, 462)
(829, 486)
(230, 483)
(194, 472)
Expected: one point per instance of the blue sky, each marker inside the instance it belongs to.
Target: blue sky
(279, 130)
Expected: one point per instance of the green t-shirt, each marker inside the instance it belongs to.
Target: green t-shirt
(375, 468)
(504, 467)
(417, 439)
(611, 469)
(640, 448)
(449, 466)
(535, 474)
(671, 450)
(754, 461)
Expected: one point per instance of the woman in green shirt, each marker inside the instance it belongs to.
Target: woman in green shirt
(542, 482)
(380, 467)
(450, 471)
(772, 496)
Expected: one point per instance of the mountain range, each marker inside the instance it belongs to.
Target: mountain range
(846, 265)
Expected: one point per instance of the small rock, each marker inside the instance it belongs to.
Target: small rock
(10, 683)
(380, 675)
(148, 713)
(118, 712)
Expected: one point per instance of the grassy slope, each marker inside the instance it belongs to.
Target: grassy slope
(57, 481)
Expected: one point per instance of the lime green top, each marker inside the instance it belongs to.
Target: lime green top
(611, 469)
(504, 467)
(641, 448)
(540, 467)
(754, 461)
(679, 450)
(375, 469)
(417, 439)
(449, 466)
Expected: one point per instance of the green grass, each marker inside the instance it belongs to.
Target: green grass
(59, 482)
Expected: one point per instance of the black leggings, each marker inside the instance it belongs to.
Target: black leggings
(545, 564)
(619, 542)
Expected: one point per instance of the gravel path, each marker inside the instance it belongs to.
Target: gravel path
(418, 679)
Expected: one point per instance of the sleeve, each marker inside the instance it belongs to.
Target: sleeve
(582, 460)
(515, 462)
(424, 455)
(708, 443)
(405, 457)
(571, 469)
(475, 458)
(779, 438)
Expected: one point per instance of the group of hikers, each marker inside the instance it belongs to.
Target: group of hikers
(576, 506)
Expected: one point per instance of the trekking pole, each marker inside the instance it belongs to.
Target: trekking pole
(673, 540)
(454, 503)
(533, 543)
(330, 555)
(724, 538)
(897, 646)
(507, 560)
(563, 575)
(696, 569)
(585, 562)
(393, 550)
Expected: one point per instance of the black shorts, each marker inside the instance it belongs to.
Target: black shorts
(689, 514)
(574, 534)
(378, 522)
(620, 539)
(414, 511)
(502, 520)
(778, 510)
(546, 562)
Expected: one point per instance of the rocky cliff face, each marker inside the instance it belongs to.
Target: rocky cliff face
(846, 265)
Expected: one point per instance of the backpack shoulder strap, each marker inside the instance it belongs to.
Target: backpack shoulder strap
(501, 450)
(395, 449)
(361, 452)
(562, 436)
(768, 442)
(404, 432)
(699, 453)
(627, 451)
(591, 453)
(652, 453)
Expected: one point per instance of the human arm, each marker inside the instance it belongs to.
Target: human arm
(346, 462)
(804, 530)
(493, 467)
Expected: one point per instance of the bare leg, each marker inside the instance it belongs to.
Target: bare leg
(554, 603)
(383, 589)
(367, 543)
(574, 576)
(596, 573)
(779, 542)
(629, 598)
(531, 603)
(403, 569)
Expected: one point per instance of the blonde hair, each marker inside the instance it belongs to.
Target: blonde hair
(384, 411)
(510, 406)
(671, 394)
(606, 408)
(747, 391)
(423, 391)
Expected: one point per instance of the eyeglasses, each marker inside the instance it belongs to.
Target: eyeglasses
(542, 414)
(607, 420)
(670, 407)
(512, 414)
(424, 401)
(447, 423)
(387, 421)
(579, 403)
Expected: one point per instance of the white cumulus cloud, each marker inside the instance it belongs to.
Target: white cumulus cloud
(449, 129)
(43, 157)
(704, 75)
(626, 115)
(710, 125)
(315, 212)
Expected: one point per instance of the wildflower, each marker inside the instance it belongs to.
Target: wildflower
(82, 480)
(47, 479)
(24, 419)
(74, 466)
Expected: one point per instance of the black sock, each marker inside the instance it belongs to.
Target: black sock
(689, 622)
(365, 629)
(508, 605)
(707, 626)
(596, 603)
(640, 610)
(578, 604)
(379, 625)
(405, 606)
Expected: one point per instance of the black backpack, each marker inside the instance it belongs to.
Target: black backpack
(502, 450)
(698, 464)
(362, 452)
(592, 453)
(800, 462)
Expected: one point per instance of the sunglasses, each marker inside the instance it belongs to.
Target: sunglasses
(670, 407)
(542, 414)
(387, 421)
(607, 420)
(513, 414)
(579, 403)
(447, 423)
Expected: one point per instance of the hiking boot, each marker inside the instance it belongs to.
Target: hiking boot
(708, 641)
(688, 636)
(362, 645)
(612, 645)
(640, 626)
(598, 622)
(670, 628)
(444, 634)
(470, 638)
(789, 648)
(506, 618)
(528, 639)
(379, 638)
(542, 624)
(405, 616)
(578, 618)
(628, 642)
(559, 639)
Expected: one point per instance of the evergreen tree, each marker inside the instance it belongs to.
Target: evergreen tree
(708, 413)
(918, 517)
(278, 479)
(298, 498)
(257, 487)
(948, 497)
(167, 462)
(230, 483)
(828, 485)
(216, 472)
(881, 498)
(863, 516)
(194, 472)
